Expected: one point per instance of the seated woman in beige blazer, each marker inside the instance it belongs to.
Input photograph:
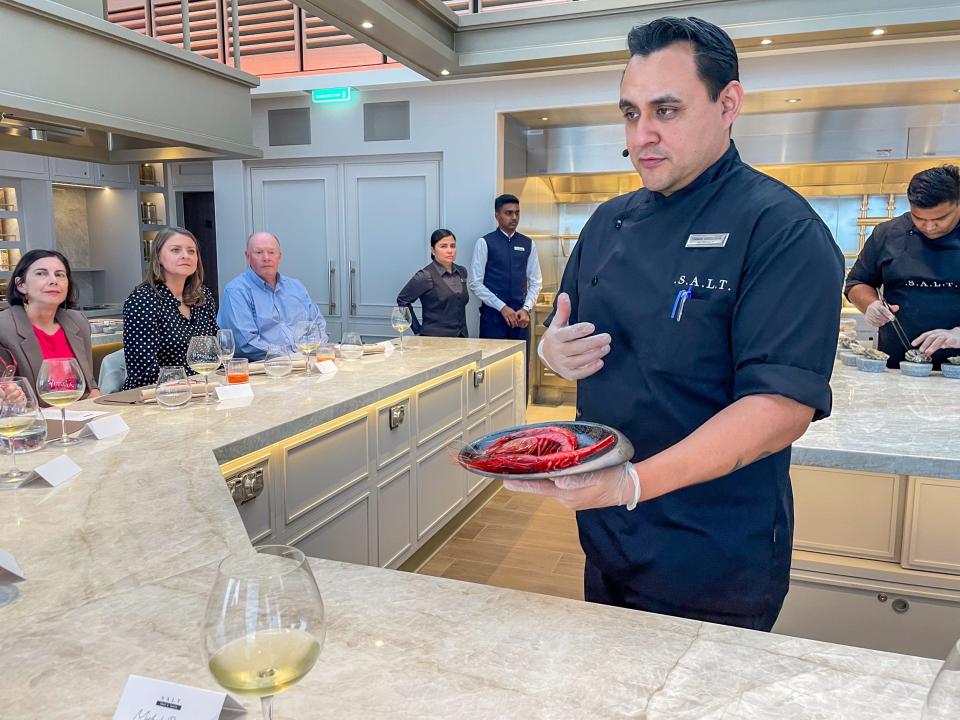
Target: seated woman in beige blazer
(37, 325)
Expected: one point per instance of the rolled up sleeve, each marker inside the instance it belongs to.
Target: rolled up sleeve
(787, 314)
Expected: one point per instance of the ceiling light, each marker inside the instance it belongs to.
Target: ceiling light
(957, 90)
(766, 41)
(366, 25)
(444, 72)
(792, 100)
(544, 118)
(877, 31)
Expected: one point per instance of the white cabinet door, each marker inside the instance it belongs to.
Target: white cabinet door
(390, 211)
(14, 164)
(114, 175)
(301, 206)
(71, 170)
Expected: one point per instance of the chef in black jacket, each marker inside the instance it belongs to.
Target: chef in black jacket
(915, 259)
(699, 316)
(441, 288)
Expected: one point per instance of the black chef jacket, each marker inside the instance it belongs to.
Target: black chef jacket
(920, 275)
(764, 278)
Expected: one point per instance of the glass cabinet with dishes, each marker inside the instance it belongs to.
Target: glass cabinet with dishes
(152, 196)
(11, 238)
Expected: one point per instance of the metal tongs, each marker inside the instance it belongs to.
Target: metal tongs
(897, 327)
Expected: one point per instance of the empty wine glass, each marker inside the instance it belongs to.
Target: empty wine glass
(351, 346)
(203, 357)
(400, 319)
(943, 700)
(307, 336)
(60, 383)
(19, 413)
(228, 346)
(173, 387)
(264, 624)
(277, 363)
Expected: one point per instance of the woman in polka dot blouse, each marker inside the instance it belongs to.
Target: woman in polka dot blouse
(167, 309)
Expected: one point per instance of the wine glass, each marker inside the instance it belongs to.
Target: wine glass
(277, 363)
(173, 387)
(19, 413)
(943, 700)
(400, 319)
(351, 346)
(306, 335)
(228, 346)
(60, 383)
(203, 357)
(264, 624)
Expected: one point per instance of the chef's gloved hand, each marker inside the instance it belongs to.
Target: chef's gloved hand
(618, 485)
(878, 315)
(572, 351)
(933, 340)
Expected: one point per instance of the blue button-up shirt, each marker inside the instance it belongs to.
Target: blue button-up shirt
(261, 316)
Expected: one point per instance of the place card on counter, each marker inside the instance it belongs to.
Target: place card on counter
(388, 347)
(54, 473)
(234, 392)
(145, 697)
(104, 427)
(9, 568)
(72, 415)
(326, 367)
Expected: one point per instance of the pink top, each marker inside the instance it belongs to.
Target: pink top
(53, 346)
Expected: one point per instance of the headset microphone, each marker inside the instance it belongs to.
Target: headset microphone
(625, 153)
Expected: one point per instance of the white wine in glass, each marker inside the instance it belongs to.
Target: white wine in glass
(203, 357)
(19, 413)
(400, 320)
(60, 383)
(264, 624)
(307, 336)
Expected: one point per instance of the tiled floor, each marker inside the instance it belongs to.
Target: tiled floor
(519, 541)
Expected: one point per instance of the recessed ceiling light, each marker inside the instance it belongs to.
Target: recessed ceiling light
(792, 100)
(366, 25)
(544, 118)
(877, 31)
(766, 41)
(444, 72)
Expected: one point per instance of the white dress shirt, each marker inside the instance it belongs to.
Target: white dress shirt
(478, 268)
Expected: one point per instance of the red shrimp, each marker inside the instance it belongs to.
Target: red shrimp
(528, 463)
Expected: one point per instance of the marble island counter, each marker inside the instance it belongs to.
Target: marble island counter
(120, 559)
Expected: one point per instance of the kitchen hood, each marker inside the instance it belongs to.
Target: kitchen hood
(77, 86)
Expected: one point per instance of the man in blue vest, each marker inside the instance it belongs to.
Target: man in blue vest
(505, 275)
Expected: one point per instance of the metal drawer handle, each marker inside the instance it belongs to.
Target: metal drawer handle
(900, 606)
(478, 377)
(246, 486)
(333, 281)
(397, 414)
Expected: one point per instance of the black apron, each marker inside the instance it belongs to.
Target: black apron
(444, 311)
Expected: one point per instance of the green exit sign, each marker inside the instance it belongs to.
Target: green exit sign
(331, 95)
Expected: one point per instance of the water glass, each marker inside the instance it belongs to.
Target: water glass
(60, 383)
(351, 346)
(19, 415)
(173, 387)
(943, 700)
(238, 371)
(277, 363)
(264, 624)
(325, 352)
(228, 346)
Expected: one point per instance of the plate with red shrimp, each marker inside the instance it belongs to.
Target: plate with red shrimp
(545, 450)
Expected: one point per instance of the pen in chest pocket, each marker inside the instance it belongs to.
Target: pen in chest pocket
(679, 302)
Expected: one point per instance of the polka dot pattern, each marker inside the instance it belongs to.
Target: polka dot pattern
(156, 334)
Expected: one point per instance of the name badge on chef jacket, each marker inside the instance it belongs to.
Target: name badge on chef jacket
(707, 240)
(518, 247)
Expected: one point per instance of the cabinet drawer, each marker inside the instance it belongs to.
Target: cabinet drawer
(393, 444)
(503, 418)
(441, 486)
(394, 526)
(62, 169)
(474, 432)
(439, 408)
(500, 379)
(931, 538)
(894, 618)
(848, 513)
(476, 391)
(318, 468)
(114, 175)
(344, 535)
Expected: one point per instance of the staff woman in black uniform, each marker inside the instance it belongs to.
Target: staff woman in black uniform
(441, 288)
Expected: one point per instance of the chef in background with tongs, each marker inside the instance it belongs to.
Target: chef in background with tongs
(699, 317)
(914, 260)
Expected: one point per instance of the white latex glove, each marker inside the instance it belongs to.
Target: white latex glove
(877, 315)
(572, 351)
(933, 340)
(614, 486)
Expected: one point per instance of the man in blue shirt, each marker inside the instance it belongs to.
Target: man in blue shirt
(262, 306)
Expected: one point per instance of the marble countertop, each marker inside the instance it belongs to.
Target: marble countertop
(887, 422)
(119, 561)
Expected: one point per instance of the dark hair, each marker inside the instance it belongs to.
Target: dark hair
(505, 200)
(193, 287)
(935, 186)
(439, 234)
(713, 50)
(16, 297)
